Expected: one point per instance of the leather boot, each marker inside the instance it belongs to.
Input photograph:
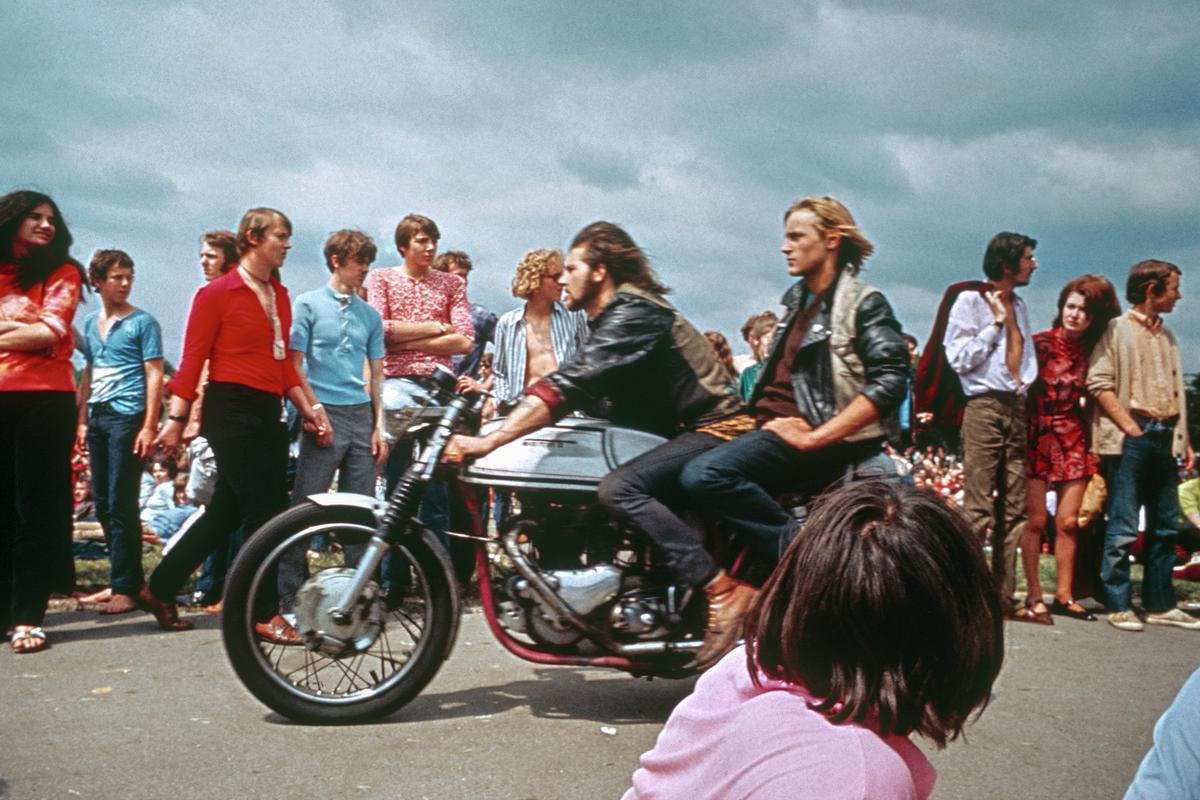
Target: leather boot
(166, 613)
(728, 601)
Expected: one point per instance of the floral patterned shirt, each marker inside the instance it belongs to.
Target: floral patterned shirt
(52, 303)
(438, 297)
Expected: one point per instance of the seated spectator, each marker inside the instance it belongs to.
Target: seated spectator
(167, 522)
(1189, 529)
(840, 666)
(162, 495)
(158, 471)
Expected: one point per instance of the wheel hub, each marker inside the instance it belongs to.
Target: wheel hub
(351, 632)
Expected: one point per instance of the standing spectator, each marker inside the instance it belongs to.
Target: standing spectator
(531, 341)
(456, 262)
(218, 255)
(1136, 377)
(1060, 454)
(426, 321)
(759, 333)
(40, 286)
(907, 416)
(121, 398)
(336, 335)
(989, 345)
(239, 323)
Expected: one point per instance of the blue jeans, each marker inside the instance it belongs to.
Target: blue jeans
(116, 477)
(738, 481)
(1143, 475)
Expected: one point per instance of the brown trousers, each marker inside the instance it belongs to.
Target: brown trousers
(994, 436)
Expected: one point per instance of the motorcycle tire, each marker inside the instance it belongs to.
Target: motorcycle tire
(311, 686)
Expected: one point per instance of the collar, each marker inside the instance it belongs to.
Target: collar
(345, 300)
(1154, 325)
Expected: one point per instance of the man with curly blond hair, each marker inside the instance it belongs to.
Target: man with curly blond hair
(533, 340)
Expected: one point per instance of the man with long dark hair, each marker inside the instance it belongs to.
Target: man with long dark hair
(656, 373)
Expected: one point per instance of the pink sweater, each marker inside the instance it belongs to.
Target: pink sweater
(730, 739)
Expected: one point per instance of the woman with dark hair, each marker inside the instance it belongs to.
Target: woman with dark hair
(1060, 456)
(239, 324)
(40, 288)
(881, 620)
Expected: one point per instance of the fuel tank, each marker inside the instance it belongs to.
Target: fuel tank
(572, 455)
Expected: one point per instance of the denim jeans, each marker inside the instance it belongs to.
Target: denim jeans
(641, 492)
(116, 477)
(1143, 475)
(738, 482)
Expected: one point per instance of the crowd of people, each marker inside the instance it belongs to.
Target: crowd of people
(834, 393)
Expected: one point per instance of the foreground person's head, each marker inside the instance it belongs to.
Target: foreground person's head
(884, 608)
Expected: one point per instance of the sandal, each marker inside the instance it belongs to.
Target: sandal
(28, 639)
(1025, 613)
(1064, 609)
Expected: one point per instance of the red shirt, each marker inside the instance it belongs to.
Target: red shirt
(52, 303)
(439, 296)
(228, 326)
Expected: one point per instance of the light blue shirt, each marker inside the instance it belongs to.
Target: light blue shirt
(337, 334)
(118, 361)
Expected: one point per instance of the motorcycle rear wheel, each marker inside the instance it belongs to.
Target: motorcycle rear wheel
(419, 622)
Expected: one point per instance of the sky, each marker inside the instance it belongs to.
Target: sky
(693, 124)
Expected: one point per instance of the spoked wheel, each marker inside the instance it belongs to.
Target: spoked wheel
(342, 669)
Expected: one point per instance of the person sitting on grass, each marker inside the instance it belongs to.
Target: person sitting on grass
(882, 620)
(167, 522)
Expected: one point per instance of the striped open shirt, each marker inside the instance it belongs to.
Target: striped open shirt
(568, 330)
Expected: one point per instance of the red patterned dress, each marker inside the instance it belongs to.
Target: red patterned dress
(1059, 449)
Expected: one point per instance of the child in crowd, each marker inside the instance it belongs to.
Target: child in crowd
(161, 493)
(882, 620)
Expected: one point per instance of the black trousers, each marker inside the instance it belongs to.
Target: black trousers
(36, 433)
(250, 443)
(642, 492)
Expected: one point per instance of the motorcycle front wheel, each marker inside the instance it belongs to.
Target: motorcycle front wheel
(295, 565)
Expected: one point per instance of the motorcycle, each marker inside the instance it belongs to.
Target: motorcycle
(560, 582)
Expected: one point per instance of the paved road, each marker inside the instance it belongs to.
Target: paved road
(117, 709)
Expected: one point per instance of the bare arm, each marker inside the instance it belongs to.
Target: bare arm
(305, 400)
(396, 332)
(28, 336)
(529, 415)
(379, 445)
(446, 344)
(81, 397)
(143, 445)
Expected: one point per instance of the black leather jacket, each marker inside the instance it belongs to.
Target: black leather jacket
(655, 370)
(877, 341)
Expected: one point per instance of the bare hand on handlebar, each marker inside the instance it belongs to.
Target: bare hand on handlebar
(460, 448)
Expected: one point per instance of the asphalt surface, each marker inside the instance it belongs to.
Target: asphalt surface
(117, 709)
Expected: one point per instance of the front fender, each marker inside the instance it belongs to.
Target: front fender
(361, 504)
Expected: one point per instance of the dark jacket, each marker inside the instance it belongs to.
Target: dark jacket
(876, 341)
(656, 372)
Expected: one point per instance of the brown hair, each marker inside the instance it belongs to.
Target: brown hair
(226, 242)
(1099, 300)
(349, 244)
(608, 244)
(833, 217)
(533, 267)
(758, 325)
(105, 260)
(884, 609)
(451, 258)
(1145, 274)
(254, 226)
(410, 226)
(724, 352)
